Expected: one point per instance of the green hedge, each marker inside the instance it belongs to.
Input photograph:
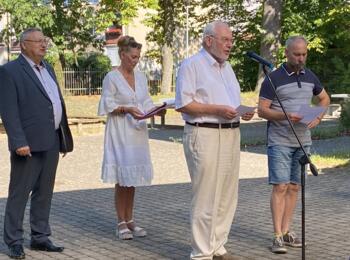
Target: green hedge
(345, 115)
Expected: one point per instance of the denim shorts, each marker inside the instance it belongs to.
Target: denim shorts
(284, 164)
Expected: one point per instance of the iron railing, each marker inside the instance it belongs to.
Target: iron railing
(79, 82)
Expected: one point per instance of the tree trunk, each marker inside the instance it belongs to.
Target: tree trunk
(59, 70)
(167, 69)
(271, 24)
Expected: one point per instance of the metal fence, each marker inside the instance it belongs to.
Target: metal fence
(79, 82)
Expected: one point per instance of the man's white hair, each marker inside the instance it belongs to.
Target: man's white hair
(293, 39)
(209, 29)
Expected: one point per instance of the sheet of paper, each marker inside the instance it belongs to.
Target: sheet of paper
(310, 113)
(244, 109)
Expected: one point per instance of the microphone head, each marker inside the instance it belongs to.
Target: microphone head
(249, 53)
(313, 169)
(259, 59)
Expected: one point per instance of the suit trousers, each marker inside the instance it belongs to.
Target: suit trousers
(213, 157)
(34, 176)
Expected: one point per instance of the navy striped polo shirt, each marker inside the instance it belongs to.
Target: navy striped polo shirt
(293, 90)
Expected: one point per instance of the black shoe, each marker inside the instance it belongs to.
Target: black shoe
(46, 246)
(16, 252)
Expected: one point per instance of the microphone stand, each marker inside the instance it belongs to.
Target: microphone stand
(303, 162)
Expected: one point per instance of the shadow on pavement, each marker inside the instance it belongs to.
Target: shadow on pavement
(84, 222)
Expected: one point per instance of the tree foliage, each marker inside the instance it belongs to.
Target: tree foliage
(167, 23)
(71, 24)
(326, 26)
(120, 11)
(22, 14)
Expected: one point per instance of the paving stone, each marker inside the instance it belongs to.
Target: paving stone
(83, 216)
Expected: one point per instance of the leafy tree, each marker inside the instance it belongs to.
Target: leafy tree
(167, 23)
(120, 11)
(326, 26)
(345, 116)
(22, 14)
(72, 26)
(271, 27)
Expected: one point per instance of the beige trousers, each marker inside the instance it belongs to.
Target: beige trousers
(212, 157)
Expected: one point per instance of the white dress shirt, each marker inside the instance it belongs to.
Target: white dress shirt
(50, 87)
(202, 79)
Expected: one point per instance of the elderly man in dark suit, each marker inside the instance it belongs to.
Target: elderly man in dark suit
(34, 117)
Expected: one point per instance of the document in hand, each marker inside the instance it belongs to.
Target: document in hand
(157, 109)
(241, 110)
(310, 113)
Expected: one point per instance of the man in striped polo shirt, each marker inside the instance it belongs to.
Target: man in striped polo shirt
(295, 86)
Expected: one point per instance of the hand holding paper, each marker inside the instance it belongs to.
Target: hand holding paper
(241, 110)
(157, 109)
(310, 113)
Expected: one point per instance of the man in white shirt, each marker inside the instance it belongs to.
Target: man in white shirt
(207, 95)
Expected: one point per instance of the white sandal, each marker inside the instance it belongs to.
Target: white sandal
(137, 231)
(124, 233)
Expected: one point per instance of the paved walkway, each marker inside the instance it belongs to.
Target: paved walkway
(82, 216)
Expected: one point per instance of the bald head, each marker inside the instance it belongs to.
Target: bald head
(293, 39)
(296, 52)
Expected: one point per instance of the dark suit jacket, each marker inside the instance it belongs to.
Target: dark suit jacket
(26, 109)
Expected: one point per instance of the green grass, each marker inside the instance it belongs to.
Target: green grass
(157, 98)
(327, 132)
(86, 106)
(252, 141)
(336, 159)
(82, 106)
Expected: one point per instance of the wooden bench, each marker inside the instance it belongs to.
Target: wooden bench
(340, 97)
(162, 119)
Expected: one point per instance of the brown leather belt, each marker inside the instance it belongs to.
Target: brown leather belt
(213, 125)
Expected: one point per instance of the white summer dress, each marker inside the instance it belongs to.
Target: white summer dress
(126, 158)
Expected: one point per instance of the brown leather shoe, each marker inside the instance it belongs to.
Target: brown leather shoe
(226, 256)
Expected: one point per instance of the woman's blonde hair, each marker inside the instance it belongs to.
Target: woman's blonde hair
(125, 43)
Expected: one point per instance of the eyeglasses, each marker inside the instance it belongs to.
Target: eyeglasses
(45, 41)
(224, 39)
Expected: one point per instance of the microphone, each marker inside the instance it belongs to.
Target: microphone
(313, 169)
(259, 59)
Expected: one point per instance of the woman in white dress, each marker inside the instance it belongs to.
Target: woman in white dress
(126, 160)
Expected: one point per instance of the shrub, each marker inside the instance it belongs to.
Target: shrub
(97, 62)
(345, 115)
(99, 65)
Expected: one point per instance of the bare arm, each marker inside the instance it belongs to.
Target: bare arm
(198, 109)
(265, 111)
(323, 100)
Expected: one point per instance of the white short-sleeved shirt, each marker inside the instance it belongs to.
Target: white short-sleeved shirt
(202, 79)
(126, 157)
